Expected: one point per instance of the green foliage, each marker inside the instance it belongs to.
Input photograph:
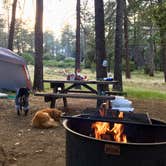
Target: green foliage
(159, 15)
(48, 43)
(3, 34)
(50, 63)
(132, 66)
(59, 57)
(89, 59)
(47, 56)
(60, 64)
(23, 38)
(69, 60)
(158, 62)
(28, 57)
(67, 41)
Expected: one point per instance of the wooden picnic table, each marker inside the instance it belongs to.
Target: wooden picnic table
(55, 84)
(69, 89)
(82, 81)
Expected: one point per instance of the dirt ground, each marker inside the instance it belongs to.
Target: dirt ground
(22, 145)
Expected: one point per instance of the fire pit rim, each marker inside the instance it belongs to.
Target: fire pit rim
(64, 123)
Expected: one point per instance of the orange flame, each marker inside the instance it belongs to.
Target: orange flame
(100, 128)
(103, 128)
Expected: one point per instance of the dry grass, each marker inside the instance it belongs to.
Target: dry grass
(138, 82)
(59, 73)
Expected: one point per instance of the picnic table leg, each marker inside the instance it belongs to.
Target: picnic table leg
(53, 102)
(50, 99)
(65, 101)
(99, 102)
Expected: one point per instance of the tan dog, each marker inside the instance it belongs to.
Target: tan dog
(46, 118)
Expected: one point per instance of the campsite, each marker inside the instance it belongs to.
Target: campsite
(82, 83)
(23, 145)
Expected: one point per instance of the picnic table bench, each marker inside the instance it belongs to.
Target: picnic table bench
(53, 96)
(65, 89)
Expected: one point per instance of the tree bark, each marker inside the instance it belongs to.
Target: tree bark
(163, 51)
(118, 46)
(101, 70)
(152, 55)
(163, 45)
(127, 58)
(77, 59)
(12, 25)
(38, 71)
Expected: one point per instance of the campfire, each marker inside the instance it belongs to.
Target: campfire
(107, 137)
(129, 140)
(103, 130)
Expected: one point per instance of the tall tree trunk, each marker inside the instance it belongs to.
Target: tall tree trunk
(163, 43)
(152, 49)
(163, 51)
(12, 25)
(38, 71)
(77, 59)
(118, 46)
(127, 58)
(101, 69)
(151, 58)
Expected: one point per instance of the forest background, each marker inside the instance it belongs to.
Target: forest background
(143, 38)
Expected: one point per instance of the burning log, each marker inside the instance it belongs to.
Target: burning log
(101, 128)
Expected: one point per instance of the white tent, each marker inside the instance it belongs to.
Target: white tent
(13, 71)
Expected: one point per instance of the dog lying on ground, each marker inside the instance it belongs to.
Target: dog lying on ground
(46, 118)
